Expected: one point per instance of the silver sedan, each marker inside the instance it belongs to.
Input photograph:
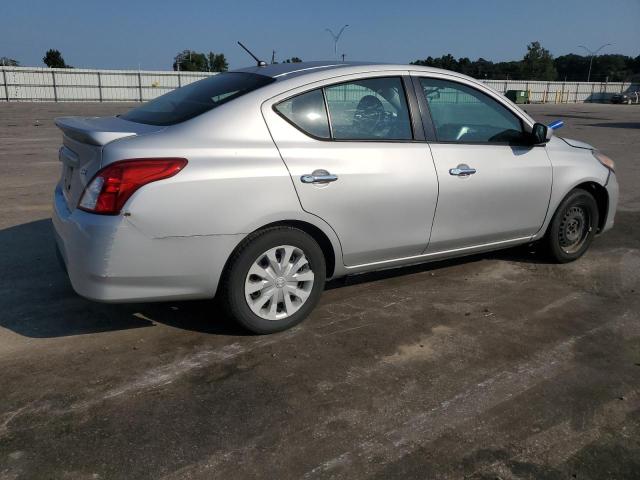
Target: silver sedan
(259, 184)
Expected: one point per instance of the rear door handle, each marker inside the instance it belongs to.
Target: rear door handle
(319, 176)
(462, 170)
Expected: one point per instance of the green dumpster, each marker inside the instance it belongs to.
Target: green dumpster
(518, 96)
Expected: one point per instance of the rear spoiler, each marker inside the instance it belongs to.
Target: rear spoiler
(101, 130)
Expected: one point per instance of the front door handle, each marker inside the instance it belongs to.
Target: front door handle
(319, 176)
(462, 170)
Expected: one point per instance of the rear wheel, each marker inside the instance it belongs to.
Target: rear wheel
(274, 279)
(573, 226)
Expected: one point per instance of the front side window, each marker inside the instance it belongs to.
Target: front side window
(307, 112)
(464, 114)
(371, 109)
(196, 98)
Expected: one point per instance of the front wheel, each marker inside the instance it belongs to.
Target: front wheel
(573, 226)
(274, 279)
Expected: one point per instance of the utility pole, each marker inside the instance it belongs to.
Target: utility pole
(273, 57)
(343, 55)
(179, 60)
(336, 38)
(593, 53)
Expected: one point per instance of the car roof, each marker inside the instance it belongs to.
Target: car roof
(281, 71)
(291, 75)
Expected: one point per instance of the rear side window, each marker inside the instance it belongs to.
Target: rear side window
(368, 109)
(196, 98)
(307, 112)
(372, 109)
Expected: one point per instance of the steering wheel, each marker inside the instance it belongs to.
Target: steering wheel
(369, 115)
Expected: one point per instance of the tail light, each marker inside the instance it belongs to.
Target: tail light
(112, 186)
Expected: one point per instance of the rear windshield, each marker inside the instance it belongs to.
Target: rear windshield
(196, 98)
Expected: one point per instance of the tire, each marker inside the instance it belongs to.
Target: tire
(289, 296)
(572, 227)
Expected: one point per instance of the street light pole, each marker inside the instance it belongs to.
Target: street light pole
(335, 39)
(593, 53)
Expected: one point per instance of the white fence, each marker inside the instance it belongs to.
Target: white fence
(564, 92)
(22, 84)
(27, 84)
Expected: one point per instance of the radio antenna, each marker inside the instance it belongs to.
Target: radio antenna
(261, 63)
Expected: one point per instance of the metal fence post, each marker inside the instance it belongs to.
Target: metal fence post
(99, 86)
(593, 86)
(546, 92)
(55, 87)
(6, 87)
(140, 85)
(575, 97)
(179, 80)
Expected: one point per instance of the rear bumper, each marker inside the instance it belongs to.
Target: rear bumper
(108, 259)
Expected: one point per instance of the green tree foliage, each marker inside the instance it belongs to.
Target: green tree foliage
(538, 63)
(9, 62)
(192, 61)
(53, 59)
(293, 60)
(614, 67)
(218, 62)
(572, 67)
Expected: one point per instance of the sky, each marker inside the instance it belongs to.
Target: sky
(148, 34)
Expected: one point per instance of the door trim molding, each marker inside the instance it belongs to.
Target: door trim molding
(439, 255)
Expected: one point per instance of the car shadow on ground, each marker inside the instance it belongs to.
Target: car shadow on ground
(37, 300)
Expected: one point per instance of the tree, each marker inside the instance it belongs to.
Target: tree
(53, 59)
(616, 67)
(218, 62)
(537, 63)
(9, 62)
(293, 60)
(572, 67)
(190, 61)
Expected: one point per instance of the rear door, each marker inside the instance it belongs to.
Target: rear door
(354, 160)
(494, 187)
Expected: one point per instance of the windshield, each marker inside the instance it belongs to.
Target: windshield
(196, 98)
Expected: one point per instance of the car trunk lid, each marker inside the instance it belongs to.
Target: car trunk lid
(82, 144)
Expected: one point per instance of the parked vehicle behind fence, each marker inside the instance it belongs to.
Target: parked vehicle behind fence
(627, 97)
(259, 184)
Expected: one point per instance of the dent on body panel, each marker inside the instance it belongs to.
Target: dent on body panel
(234, 175)
(222, 193)
(571, 167)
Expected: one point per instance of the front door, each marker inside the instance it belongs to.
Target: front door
(353, 161)
(493, 186)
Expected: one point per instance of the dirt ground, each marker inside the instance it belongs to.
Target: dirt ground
(494, 366)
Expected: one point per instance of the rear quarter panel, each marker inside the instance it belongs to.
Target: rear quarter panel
(235, 181)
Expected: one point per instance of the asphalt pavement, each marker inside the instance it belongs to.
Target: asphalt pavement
(493, 366)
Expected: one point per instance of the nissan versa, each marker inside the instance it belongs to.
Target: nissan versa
(259, 184)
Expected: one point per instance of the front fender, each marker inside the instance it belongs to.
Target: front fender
(571, 167)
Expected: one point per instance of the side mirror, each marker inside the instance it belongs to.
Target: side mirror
(540, 134)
